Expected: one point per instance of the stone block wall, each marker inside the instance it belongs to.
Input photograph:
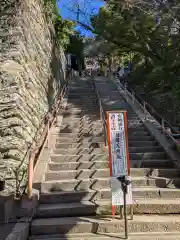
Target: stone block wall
(32, 68)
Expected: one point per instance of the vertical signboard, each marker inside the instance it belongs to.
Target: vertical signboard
(119, 163)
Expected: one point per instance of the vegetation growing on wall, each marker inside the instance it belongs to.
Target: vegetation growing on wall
(63, 28)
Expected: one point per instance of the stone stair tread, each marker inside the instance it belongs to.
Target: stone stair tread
(134, 189)
(157, 201)
(74, 192)
(76, 163)
(147, 149)
(74, 180)
(105, 178)
(154, 171)
(66, 205)
(78, 170)
(143, 143)
(84, 203)
(141, 189)
(134, 171)
(143, 160)
(155, 177)
(103, 207)
(110, 236)
(79, 173)
(79, 151)
(147, 189)
(54, 155)
(95, 219)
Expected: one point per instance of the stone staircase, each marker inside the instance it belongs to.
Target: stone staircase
(75, 199)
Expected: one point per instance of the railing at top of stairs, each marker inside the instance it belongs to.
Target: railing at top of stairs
(166, 127)
(37, 146)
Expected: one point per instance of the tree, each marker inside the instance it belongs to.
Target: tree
(149, 33)
(76, 47)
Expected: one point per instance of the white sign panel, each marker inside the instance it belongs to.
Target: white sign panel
(117, 193)
(118, 144)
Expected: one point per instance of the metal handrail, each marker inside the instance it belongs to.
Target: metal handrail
(151, 110)
(48, 121)
(102, 114)
(167, 128)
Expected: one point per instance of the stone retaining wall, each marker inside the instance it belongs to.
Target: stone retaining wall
(32, 69)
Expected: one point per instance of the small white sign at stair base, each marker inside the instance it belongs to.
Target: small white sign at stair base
(117, 193)
(118, 143)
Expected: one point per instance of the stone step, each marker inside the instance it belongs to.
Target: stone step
(78, 151)
(133, 146)
(95, 133)
(79, 158)
(99, 172)
(86, 92)
(139, 224)
(92, 105)
(75, 151)
(77, 174)
(81, 125)
(148, 155)
(93, 166)
(104, 194)
(137, 129)
(85, 208)
(93, 115)
(76, 139)
(99, 183)
(142, 143)
(79, 139)
(75, 196)
(89, 130)
(71, 133)
(82, 104)
(81, 98)
(80, 145)
(79, 112)
(135, 133)
(168, 173)
(140, 138)
(143, 149)
(144, 162)
(70, 121)
(109, 236)
(77, 95)
(152, 163)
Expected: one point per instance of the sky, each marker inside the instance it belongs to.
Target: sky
(68, 10)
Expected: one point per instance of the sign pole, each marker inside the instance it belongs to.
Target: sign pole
(124, 186)
(125, 217)
(119, 163)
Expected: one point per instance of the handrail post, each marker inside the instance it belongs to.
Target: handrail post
(144, 107)
(100, 108)
(105, 135)
(48, 137)
(133, 97)
(162, 124)
(125, 87)
(30, 175)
